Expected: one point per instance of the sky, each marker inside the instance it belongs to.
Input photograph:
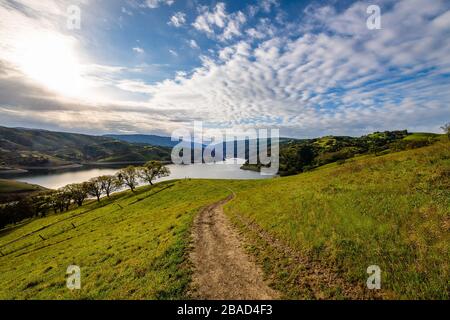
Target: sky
(309, 68)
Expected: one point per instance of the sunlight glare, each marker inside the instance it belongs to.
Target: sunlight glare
(51, 60)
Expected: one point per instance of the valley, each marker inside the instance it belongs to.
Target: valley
(313, 235)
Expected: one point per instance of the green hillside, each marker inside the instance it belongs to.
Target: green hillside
(420, 136)
(298, 156)
(10, 186)
(392, 211)
(11, 190)
(41, 148)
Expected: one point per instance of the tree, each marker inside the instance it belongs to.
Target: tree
(128, 176)
(296, 158)
(78, 192)
(152, 170)
(60, 199)
(95, 188)
(41, 203)
(446, 128)
(109, 184)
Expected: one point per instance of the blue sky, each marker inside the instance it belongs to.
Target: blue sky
(310, 68)
(165, 35)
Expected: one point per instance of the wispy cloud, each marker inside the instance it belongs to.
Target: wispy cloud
(138, 50)
(348, 81)
(126, 11)
(153, 4)
(323, 73)
(193, 44)
(227, 25)
(178, 19)
(136, 86)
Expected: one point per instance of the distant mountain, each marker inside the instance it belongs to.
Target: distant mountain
(144, 139)
(163, 141)
(32, 148)
(155, 140)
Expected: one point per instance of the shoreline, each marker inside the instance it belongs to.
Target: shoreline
(12, 171)
(23, 170)
(30, 169)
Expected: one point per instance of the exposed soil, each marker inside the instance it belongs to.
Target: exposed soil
(222, 269)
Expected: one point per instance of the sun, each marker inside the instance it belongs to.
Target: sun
(51, 60)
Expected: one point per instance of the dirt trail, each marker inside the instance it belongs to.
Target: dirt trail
(222, 269)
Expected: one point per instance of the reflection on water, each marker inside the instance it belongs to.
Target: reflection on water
(228, 170)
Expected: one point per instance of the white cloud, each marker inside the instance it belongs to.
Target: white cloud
(227, 25)
(138, 50)
(253, 33)
(345, 79)
(266, 5)
(233, 27)
(348, 82)
(153, 4)
(126, 11)
(136, 86)
(178, 19)
(173, 52)
(263, 29)
(193, 44)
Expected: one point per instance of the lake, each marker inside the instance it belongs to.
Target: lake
(230, 169)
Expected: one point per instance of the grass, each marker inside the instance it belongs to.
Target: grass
(391, 210)
(11, 190)
(10, 186)
(422, 136)
(132, 246)
(24, 148)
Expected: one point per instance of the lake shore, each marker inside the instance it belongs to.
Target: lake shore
(27, 169)
(54, 179)
(6, 171)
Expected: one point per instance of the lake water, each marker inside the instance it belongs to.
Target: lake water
(228, 170)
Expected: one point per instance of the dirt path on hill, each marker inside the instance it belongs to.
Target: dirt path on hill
(222, 269)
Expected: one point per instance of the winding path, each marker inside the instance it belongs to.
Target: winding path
(222, 269)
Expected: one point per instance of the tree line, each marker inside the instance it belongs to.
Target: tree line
(303, 155)
(61, 200)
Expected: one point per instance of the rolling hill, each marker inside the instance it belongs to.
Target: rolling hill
(144, 139)
(11, 190)
(30, 148)
(313, 234)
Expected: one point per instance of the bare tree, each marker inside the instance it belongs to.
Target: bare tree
(95, 188)
(128, 176)
(109, 184)
(152, 170)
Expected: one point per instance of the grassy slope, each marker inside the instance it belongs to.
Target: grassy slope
(392, 211)
(10, 186)
(134, 252)
(30, 148)
(11, 190)
(419, 136)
